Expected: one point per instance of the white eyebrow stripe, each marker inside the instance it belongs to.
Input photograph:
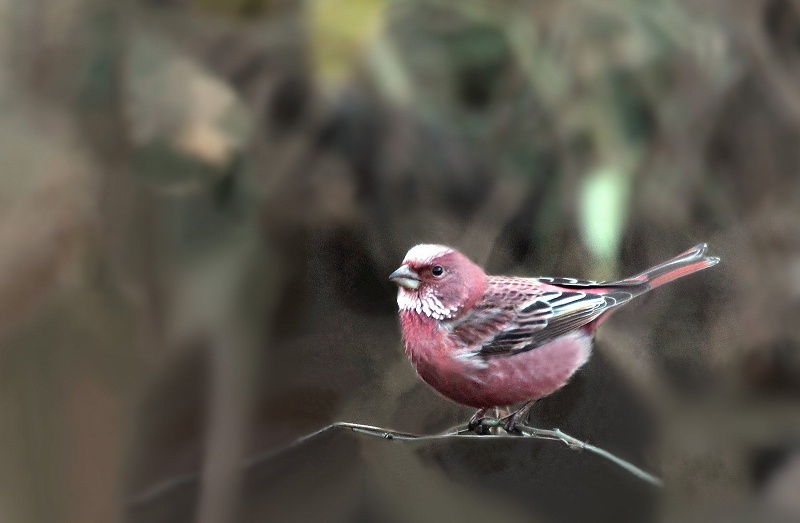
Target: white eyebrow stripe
(425, 252)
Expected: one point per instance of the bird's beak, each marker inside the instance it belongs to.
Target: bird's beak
(405, 277)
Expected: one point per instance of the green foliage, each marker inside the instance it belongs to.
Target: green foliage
(604, 209)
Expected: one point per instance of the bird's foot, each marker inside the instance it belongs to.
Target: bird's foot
(476, 423)
(510, 426)
(511, 422)
(481, 429)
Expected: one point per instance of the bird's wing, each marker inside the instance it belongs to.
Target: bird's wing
(575, 283)
(517, 315)
(570, 282)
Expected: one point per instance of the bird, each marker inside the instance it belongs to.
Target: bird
(500, 341)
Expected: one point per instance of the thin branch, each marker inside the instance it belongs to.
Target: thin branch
(460, 431)
(463, 432)
(574, 443)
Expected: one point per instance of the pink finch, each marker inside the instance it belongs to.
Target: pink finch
(496, 341)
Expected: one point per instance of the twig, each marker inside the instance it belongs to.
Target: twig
(463, 432)
(574, 443)
(460, 431)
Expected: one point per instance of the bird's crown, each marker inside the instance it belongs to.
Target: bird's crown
(425, 253)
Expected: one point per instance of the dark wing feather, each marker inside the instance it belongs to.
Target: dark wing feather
(562, 312)
(574, 283)
(508, 322)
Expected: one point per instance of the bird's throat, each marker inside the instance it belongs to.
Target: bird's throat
(424, 304)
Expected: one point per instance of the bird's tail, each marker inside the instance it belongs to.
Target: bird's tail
(693, 260)
(620, 292)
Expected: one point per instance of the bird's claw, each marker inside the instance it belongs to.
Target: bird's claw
(476, 423)
(478, 427)
(510, 426)
(512, 421)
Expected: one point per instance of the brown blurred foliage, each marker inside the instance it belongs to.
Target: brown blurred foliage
(202, 199)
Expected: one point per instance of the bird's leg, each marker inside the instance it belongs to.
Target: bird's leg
(512, 420)
(475, 425)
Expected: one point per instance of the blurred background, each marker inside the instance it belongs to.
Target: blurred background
(201, 200)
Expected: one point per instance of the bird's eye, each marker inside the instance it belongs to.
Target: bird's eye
(437, 270)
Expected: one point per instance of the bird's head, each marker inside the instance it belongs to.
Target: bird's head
(438, 282)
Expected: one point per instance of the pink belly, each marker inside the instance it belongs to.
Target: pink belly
(507, 380)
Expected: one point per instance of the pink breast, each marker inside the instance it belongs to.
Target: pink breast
(497, 380)
(535, 373)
